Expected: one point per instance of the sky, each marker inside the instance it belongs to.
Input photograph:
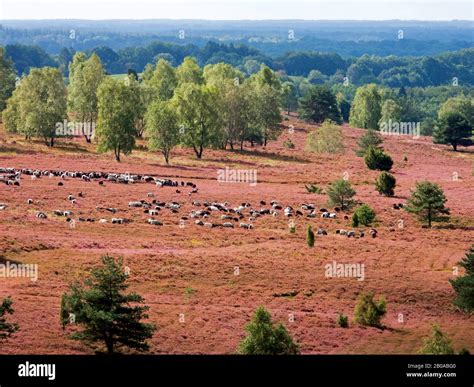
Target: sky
(238, 9)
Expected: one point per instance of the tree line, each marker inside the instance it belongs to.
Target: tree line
(212, 107)
(326, 66)
(215, 106)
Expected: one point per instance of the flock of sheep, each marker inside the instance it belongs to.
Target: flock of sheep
(205, 213)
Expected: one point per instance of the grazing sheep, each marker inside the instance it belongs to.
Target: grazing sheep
(154, 222)
(135, 204)
(373, 232)
(119, 221)
(60, 184)
(228, 224)
(351, 234)
(102, 220)
(199, 222)
(173, 206)
(341, 232)
(246, 226)
(322, 231)
(112, 210)
(3, 206)
(209, 225)
(29, 201)
(41, 215)
(58, 213)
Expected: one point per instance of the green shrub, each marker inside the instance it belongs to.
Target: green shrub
(328, 138)
(437, 344)
(310, 237)
(263, 338)
(385, 184)
(363, 215)
(368, 311)
(377, 159)
(342, 321)
(289, 144)
(311, 188)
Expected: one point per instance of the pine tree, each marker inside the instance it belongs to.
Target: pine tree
(105, 312)
(454, 129)
(369, 138)
(319, 104)
(263, 338)
(464, 286)
(427, 201)
(340, 193)
(6, 328)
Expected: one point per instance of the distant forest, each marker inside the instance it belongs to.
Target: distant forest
(388, 53)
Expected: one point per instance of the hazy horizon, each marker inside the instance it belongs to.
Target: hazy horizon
(236, 10)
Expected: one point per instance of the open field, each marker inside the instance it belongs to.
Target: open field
(190, 272)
